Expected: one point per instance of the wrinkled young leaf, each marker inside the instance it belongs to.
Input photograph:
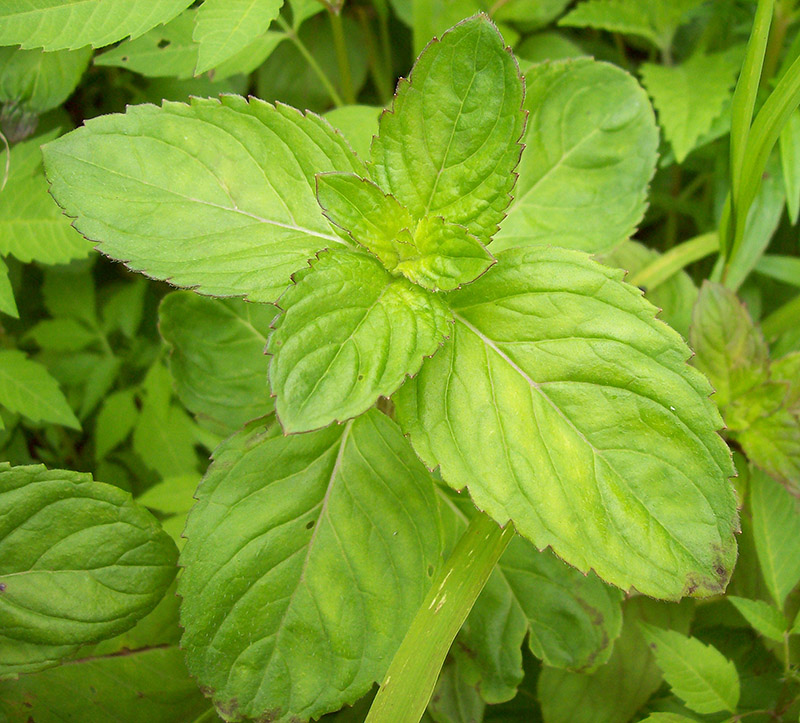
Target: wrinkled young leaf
(765, 619)
(697, 673)
(430, 252)
(617, 690)
(217, 357)
(690, 96)
(27, 387)
(450, 142)
(590, 151)
(79, 561)
(306, 559)
(222, 191)
(31, 226)
(372, 218)
(224, 27)
(350, 332)
(446, 256)
(39, 81)
(147, 685)
(776, 531)
(62, 24)
(730, 350)
(563, 404)
(656, 21)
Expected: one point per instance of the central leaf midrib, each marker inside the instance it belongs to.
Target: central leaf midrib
(595, 451)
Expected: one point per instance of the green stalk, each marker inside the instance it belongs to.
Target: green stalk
(744, 97)
(312, 62)
(377, 70)
(674, 260)
(767, 126)
(341, 57)
(783, 319)
(412, 676)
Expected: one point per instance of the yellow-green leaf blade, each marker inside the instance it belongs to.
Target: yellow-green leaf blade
(217, 195)
(565, 406)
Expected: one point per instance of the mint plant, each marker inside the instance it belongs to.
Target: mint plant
(463, 467)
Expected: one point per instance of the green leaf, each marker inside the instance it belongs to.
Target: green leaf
(590, 151)
(773, 443)
(169, 51)
(450, 142)
(8, 304)
(146, 685)
(447, 256)
(357, 123)
(17, 657)
(572, 619)
(350, 332)
(223, 191)
(698, 674)
(454, 700)
(115, 421)
(38, 81)
(776, 529)
(667, 718)
(676, 296)
(70, 24)
(163, 436)
(654, 21)
(781, 268)
(31, 226)
(26, 387)
(730, 350)
(172, 496)
(790, 164)
(565, 406)
(690, 96)
(431, 252)
(372, 218)
(62, 335)
(616, 691)
(223, 28)
(217, 357)
(766, 619)
(310, 554)
(66, 540)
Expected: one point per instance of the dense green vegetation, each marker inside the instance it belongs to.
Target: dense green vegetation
(482, 407)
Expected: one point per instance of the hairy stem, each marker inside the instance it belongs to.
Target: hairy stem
(412, 676)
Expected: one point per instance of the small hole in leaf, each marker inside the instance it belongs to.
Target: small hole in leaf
(163, 43)
(430, 570)
(360, 377)
(309, 524)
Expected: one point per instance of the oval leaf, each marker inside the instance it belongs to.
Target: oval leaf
(66, 540)
(697, 673)
(216, 195)
(351, 332)
(450, 142)
(217, 357)
(307, 557)
(567, 407)
(590, 151)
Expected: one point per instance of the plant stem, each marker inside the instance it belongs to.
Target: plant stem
(777, 36)
(379, 74)
(674, 260)
(341, 57)
(412, 675)
(312, 62)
